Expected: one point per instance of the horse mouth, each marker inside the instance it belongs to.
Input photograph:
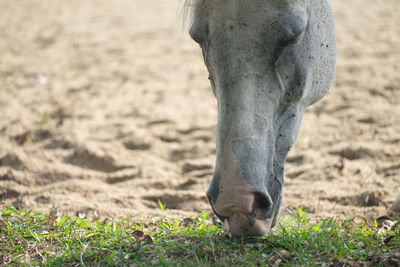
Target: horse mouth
(240, 224)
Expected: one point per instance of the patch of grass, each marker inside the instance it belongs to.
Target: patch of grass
(32, 238)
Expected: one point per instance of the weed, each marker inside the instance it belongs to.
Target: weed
(28, 237)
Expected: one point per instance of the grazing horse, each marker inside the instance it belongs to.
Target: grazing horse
(267, 61)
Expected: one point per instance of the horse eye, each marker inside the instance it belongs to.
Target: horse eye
(290, 40)
(198, 32)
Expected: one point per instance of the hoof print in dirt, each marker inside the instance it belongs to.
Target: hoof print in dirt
(295, 174)
(123, 176)
(353, 153)
(366, 199)
(158, 122)
(187, 184)
(297, 159)
(13, 161)
(177, 155)
(6, 193)
(137, 144)
(195, 166)
(40, 135)
(169, 138)
(7, 176)
(58, 144)
(174, 201)
(97, 161)
(43, 199)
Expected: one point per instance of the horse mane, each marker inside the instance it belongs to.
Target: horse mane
(192, 8)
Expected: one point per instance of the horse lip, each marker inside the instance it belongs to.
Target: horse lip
(251, 217)
(251, 220)
(241, 224)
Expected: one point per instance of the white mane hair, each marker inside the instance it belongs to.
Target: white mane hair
(192, 8)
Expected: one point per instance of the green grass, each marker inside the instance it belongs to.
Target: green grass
(32, 238)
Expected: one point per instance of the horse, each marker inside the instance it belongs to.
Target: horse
(267, 61)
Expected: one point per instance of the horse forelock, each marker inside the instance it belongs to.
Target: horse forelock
(192, 8)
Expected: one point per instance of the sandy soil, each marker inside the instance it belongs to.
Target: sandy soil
(105, 108)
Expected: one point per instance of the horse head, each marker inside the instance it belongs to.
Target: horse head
(267, 61)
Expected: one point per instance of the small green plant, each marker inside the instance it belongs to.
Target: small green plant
(44, 118)
(161, 205)
(32, 238)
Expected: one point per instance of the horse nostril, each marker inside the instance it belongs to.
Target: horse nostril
(211, 201)
(261, 205)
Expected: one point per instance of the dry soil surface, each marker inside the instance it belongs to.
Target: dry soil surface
(105, 108)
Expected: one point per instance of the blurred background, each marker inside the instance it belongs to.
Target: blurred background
(105, 108)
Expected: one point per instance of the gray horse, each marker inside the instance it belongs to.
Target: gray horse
(267, 60)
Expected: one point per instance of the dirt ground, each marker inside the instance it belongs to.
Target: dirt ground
(105, 108)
